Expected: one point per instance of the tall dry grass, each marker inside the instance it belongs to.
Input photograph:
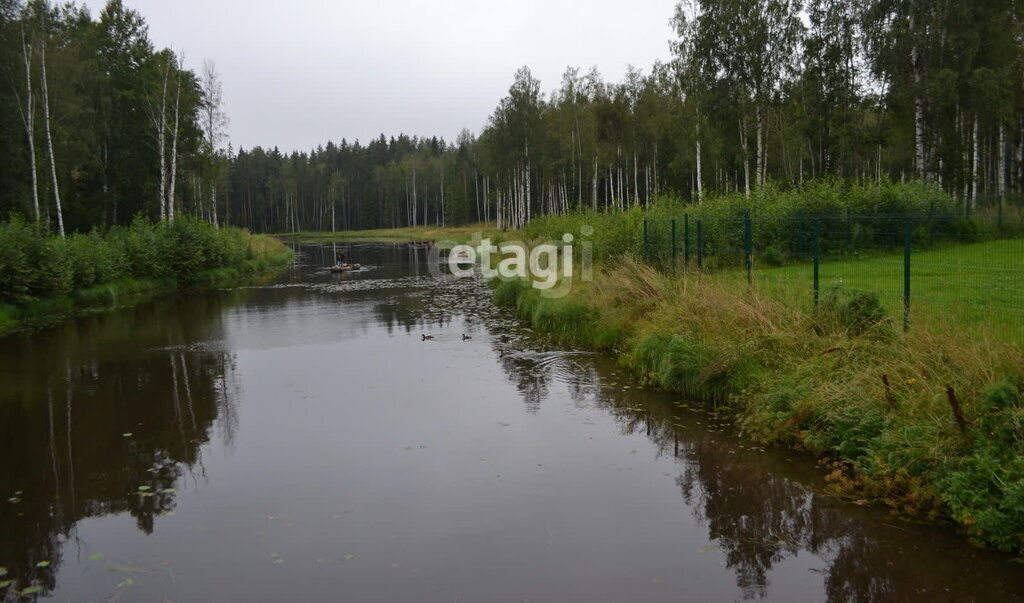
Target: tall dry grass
(839, 380)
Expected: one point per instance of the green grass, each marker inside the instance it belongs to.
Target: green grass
(839, 381)
(975, 284)
(455, 234)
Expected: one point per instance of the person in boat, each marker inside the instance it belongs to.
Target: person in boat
(339, 257)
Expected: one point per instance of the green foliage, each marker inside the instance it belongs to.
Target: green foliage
(614, 233)
(36, 265)
(985, 491)
(857, 314)
(848, 216)
(32, 264)
(508, 291)
(845, 431)
(965, 230)
(772, 256)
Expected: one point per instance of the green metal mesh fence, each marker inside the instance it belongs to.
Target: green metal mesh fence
(924, 269)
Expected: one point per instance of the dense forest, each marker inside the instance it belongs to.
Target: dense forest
(98, 125)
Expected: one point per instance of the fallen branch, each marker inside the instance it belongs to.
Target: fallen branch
(958, 414)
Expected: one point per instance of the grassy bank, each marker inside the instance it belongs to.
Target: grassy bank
(455, 234)
(930, 423)
(44, 277)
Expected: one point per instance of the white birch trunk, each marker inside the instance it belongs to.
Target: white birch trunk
(1001, 170)
(919, 153)
(49, 139)
(700, 177)
(746, 157)
(760, 146)
(161, 143)
(636, 188)
(174, 158)
(976, 166)
(527, 203)
(28, 118)
(213, 205)
(415, 202)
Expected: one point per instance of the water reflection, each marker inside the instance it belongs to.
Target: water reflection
(761, 507)
(86, 432)
(375, 442)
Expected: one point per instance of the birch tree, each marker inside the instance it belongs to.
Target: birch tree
(49, 136)
(28, 119)
(214, 121)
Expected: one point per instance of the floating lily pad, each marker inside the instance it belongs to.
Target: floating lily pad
(43, 564)
(3, 571)
(31, 590)
(143, 488)
(96, 556)
(278, 561)
(322, 560)
(5, 583)
(348, 557)
(168, 491)
(127, 434)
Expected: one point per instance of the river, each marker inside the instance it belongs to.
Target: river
(298, 439)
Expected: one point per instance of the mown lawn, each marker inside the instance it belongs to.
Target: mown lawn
(976, 284)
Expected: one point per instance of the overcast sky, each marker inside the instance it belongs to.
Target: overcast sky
(298, 73)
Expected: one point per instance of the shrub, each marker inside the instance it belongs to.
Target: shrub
(858, 314)
(965, 229)
(33, 265)
(36, 265)
(93, 260)
(772, 256)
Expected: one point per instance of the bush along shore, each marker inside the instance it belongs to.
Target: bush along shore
(44, 277)
(928, 422)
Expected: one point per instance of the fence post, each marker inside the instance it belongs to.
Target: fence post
(700, 246)
(906, 274)
(645, 254)
(686, 241)
(748, 246)
(817, 260)
(673, 244)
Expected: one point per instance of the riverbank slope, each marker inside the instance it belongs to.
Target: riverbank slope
(928, 422)
(44, 277)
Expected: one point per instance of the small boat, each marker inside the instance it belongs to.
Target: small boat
(345, 267)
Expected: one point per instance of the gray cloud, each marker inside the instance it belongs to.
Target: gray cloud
(301, 72)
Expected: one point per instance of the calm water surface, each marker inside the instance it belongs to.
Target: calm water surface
(297, 439)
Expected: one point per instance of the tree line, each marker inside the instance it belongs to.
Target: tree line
(756, 91)
(98, 124)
